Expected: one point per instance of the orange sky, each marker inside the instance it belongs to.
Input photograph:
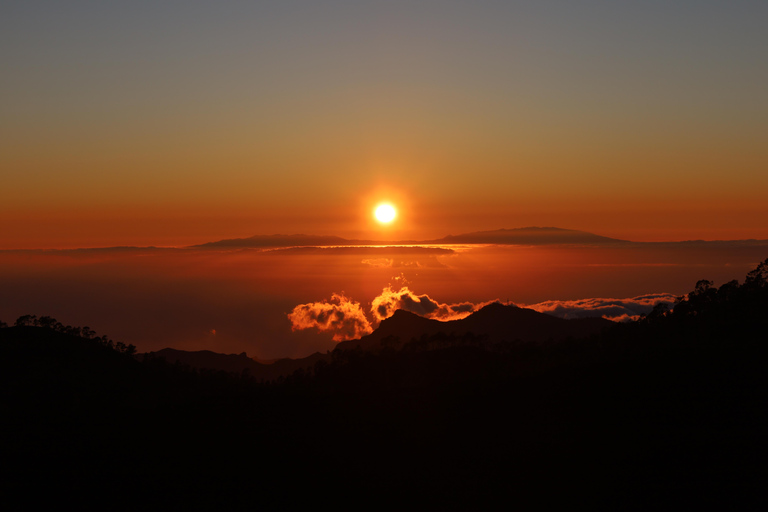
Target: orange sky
(104, 226)
(124, 125)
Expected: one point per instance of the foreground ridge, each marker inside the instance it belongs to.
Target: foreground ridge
(664, 412)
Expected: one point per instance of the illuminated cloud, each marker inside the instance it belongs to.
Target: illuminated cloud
(378, 262)
(424, 262)
(339, 314)
(390, 301)
(618, 310)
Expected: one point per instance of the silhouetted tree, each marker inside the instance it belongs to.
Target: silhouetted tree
(74, 331)
(728, 291)
(660, 310)
(25, 320)
(723, 304)
(758, 278)
(46, 321)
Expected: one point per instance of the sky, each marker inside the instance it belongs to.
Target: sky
(180, 122)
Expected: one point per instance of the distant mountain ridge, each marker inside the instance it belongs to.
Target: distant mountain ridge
(295, 240)
(515, 236)
(525, 236)
(529, 236)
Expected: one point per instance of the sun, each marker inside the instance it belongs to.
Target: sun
(385, 213)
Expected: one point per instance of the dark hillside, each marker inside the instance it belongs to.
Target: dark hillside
(238, 363)
(666, 413)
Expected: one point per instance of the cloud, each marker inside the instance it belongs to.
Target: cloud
(423, 262)
(618, 310)
(339, 314)
(390, 301)
(378, 262)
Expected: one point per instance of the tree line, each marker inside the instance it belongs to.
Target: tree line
(731, 299)
(48, 322)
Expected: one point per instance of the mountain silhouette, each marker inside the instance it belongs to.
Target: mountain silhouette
(496, 323)
(516, 236)
(526, 236)
(296, 240)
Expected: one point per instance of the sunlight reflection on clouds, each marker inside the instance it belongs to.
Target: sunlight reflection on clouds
(612, 309)
(347, 319)
(339, 314)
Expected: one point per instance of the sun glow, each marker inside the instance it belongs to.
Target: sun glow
(385, 213)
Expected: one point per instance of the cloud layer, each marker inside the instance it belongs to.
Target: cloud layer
(612, 309)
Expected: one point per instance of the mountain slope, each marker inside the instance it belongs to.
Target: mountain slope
(495, 322)
(206, 359)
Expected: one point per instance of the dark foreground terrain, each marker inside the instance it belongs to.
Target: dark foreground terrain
(666, 413)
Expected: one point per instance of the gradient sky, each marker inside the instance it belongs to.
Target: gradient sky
(180, 122)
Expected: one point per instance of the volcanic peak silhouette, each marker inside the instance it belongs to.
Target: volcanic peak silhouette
(496, 322)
